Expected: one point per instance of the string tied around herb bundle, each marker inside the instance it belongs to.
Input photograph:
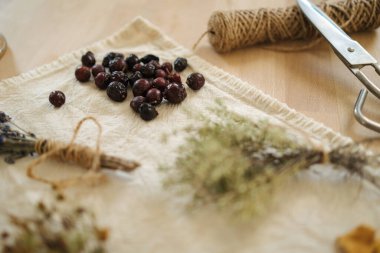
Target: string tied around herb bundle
(229, 30)
(84, 156)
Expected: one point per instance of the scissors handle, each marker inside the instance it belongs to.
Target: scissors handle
(366, 81)
(360, 117)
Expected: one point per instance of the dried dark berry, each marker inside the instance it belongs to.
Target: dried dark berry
(95, 70)
(110, 56)
(140, 87)
(106, 60)
(119, 55)
(117, 91)
(102, 80)
(150, 80)
(160, 73)
(175, 93)
(153, 96)
(137, 102)
(88, 59)
(195, 81)
(134, 77)
(4, 117)
(137, 67)
(148, 70)
(174, 78)
(131, 60)
(147, 111)
(180, 64)
(156, 64)
(119, 76)
(83, 73)
(167, 67)
(57, 98)
(117, 64)
(149, 57)
(160, 83)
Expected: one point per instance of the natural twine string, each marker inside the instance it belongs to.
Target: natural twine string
(228, 30)
(91, 159)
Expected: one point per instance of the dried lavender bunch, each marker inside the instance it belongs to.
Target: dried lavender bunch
(236, 164)
(15, 142)
(54, 229)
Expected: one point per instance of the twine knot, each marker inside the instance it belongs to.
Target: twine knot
(88, 158)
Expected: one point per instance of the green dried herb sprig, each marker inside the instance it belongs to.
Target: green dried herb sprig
(54, 229)
(236, 164)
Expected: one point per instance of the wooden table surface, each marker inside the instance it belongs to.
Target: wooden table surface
(313, 82)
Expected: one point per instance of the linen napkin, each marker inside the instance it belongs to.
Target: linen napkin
(310, 212)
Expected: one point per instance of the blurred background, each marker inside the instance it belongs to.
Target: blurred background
(314, 82)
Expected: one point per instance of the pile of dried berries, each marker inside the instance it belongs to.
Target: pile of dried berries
(151, 82)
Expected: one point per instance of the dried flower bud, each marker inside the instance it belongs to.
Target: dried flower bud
(4, 117)
(102, 234)
(60, 197)
(4, 235)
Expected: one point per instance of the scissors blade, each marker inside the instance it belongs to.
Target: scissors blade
(350, 51)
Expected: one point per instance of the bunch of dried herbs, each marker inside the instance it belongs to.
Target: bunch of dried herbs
(236, 164)
(16, 143)
(53, 229)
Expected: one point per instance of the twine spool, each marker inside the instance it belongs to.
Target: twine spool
(228, 30)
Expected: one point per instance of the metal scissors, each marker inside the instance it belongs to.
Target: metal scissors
(353, 55)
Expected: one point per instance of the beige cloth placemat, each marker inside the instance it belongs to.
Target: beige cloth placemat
(308, 215)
